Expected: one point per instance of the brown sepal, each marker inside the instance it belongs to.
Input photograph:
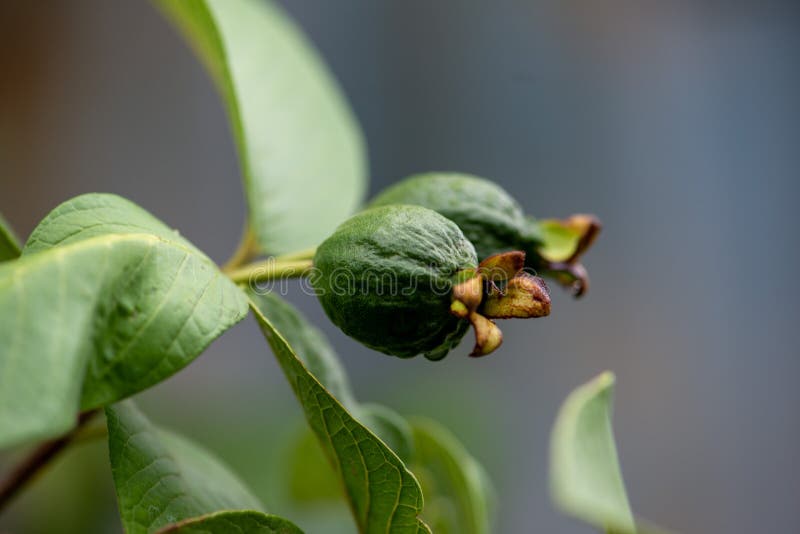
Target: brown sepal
(524, 296)
(488, 336)
(588, 227)
(502, 266)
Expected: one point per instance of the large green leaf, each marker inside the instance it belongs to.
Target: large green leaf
(9, 244)
(382, 492)
(98, 214)
(459, 496)
(301, 150)
(585, 477)
(164, 481)
(90, 317)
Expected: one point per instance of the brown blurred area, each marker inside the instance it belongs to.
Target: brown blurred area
(28, 66)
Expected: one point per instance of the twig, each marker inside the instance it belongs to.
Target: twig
(26, 469)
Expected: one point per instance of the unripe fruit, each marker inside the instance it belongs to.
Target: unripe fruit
(385, 278)
(494, 222)
(404, 280)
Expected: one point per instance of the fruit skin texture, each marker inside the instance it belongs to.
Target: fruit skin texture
(489, 217)
(385, 277)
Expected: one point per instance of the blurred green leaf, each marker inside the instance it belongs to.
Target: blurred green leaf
(163, 479)
(585, 477)
(107, 300)
(9, 244)
(383, 494)
(459, 496)
(390, 426)
(310, 476)
(301, 149)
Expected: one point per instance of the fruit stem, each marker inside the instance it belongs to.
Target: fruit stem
(270, 269)
(246, 251)
(305, 254)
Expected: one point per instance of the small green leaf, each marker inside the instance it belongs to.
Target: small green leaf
(91, 317)
(585, 477)
(9, 244)
(459, 496)
(238, 522)
(383, 494)
(162, 479)
(300, 147)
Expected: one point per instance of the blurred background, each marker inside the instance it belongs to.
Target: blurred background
(678, 123)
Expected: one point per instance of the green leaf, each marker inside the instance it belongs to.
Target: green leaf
(310, 475)
(317, 354)
(99, 214)
(459, 496)
(585, 477)
(9, 244)
(162, 479)
(238, 522)
(309, 344)
(390, 426)
(383, 494)
(300, 147)
(92, 317)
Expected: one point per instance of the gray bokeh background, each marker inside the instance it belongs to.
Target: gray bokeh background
(676, 122)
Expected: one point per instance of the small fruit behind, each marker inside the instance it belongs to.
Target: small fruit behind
(494, 222)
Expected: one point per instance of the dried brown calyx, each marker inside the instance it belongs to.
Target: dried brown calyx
(565, 241)
(499, 289)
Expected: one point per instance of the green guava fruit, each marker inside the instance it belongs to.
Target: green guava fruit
(386, 277)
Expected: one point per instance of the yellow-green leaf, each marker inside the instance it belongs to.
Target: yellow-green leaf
(559, 241)
(585, 477)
